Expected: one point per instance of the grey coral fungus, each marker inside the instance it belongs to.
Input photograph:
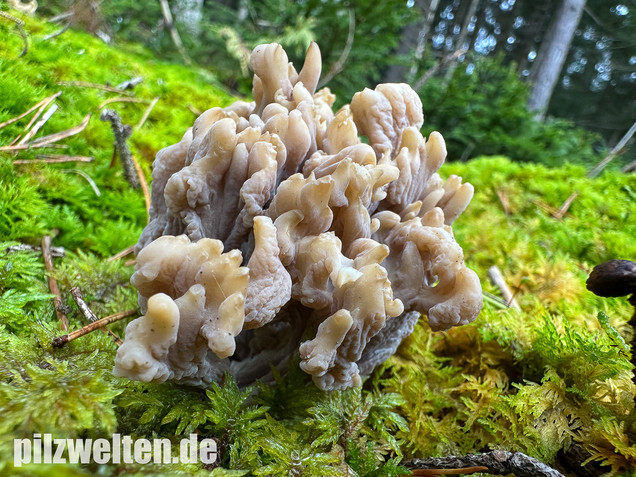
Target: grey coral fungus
(274, 228)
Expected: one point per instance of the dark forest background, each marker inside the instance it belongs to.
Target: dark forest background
(474, 62)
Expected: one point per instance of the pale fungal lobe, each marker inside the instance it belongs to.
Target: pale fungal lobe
(274, 229)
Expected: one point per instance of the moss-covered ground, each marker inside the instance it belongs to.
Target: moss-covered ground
(544, 380)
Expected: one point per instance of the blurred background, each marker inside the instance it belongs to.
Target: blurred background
(473, 62)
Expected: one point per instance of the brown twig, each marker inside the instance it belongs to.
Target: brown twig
(122, 132)
(57, 299)
(504, 199)
(31, 146)
(103, 87)
(53, 159)
(498, 280)
(548, 208)
(122, 254)
(566, 205)
(41, 104)
(88, 313)
(121, 99)
(496, 462)
(58, 136)
(60, 341)
(147, 113)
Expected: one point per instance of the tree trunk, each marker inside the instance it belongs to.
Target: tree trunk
(415, 33)
(552, 54)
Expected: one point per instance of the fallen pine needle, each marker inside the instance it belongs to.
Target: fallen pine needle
(147, 112)
(87, 177)
(57, 299)
(85, 84)
(122, 254)
(121, 99)
(63, 134)
(29, 111)
(38, 125)
(54, 158)
(144, 184)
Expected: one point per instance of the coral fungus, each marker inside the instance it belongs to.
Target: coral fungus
(274, 228)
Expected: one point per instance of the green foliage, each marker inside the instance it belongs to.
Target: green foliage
(482, 111)
(227, 35)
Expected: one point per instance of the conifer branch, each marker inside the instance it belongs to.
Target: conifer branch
(496, 462)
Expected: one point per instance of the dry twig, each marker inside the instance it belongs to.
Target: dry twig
(58, 136)
(60, 341)
(88, 313)
(496, 462)
(147, 113)
(504, 199)
(122, 254)
(86, 84)
(566, 205)
(57, 299)
(88, 179)
(54, 158)
(121, 99)
(42, 104)
(38, 125)
(498, 280)
(144, 184)
(194, 110)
